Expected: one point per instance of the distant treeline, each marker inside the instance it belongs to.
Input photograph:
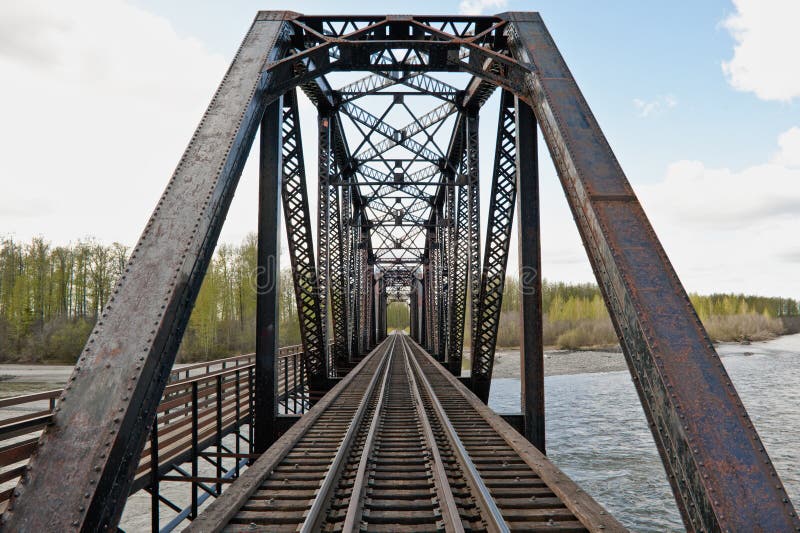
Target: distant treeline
(50, 297)
(575, 315)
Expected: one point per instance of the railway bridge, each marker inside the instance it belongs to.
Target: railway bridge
(358, 429)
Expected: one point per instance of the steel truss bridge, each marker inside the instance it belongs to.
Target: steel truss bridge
(357, 429)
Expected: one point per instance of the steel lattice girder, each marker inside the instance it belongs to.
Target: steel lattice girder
(301, 246)
(498, 238)
(343, 263)
(720, 472)
(363, 293)
(375, 124)
(459, 278)
(375, 83)
(353, 267)
(330, 237)
(396, 136)
(473, 177)
(325, 167)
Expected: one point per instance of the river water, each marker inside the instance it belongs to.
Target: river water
(597, 432)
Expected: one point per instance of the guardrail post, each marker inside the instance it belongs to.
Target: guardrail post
(195, 451)
(219, 434)
(238, 422)
(294, 383)
(154, 501)
(251, 380)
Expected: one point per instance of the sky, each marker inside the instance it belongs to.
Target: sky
(700, 102)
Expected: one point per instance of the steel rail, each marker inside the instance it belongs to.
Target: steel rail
(491, 513)
(317, 511)
(447, 502)
(359, 484)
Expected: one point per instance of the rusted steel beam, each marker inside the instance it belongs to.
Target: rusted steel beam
(498, 238)
(530, 277)
(294, 195)
(330, 236)
(325, 167)
(105, 414)
(471, 140)
(459, 274)
(721, 475)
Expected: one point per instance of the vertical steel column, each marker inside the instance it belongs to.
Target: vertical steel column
(459, 276)
(412, 311)
(366, 299)
(530, 276)
(473, 185)
(301, 248)
(429, 290)
(332, 234)
(383, 331)
(355, 273)
(267, 278)
(420, 303)
(374, 314)
(447, 263)
(498, 238)
(326, 163)
(347, 265)
(436, 286)
(444, 240)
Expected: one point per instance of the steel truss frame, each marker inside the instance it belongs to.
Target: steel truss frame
(459, 277)
(498, 237)
(294, 195)
(720, 473)
(331, 238)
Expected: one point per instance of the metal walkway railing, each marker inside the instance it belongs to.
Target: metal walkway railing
(202, 404)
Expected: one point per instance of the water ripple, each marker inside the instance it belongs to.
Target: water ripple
(597, 432)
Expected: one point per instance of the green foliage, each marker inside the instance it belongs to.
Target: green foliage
(50, 297)
(397, 316)
(575, 315)
(223, 321)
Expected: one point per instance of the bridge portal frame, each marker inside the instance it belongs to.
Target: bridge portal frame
(720, 473)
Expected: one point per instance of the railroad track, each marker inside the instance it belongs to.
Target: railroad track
(399, 445)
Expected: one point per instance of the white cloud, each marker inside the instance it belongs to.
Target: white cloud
(789, 149)
(99, 101)
(732, 230)
(767, 41)
(647, 108)
(478, 7)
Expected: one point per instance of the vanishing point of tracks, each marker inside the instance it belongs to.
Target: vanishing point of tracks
(399, 445)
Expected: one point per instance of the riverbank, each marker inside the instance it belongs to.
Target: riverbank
(570, 362)
(26, 379)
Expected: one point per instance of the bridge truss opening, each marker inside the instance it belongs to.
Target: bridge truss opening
(398, 198)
